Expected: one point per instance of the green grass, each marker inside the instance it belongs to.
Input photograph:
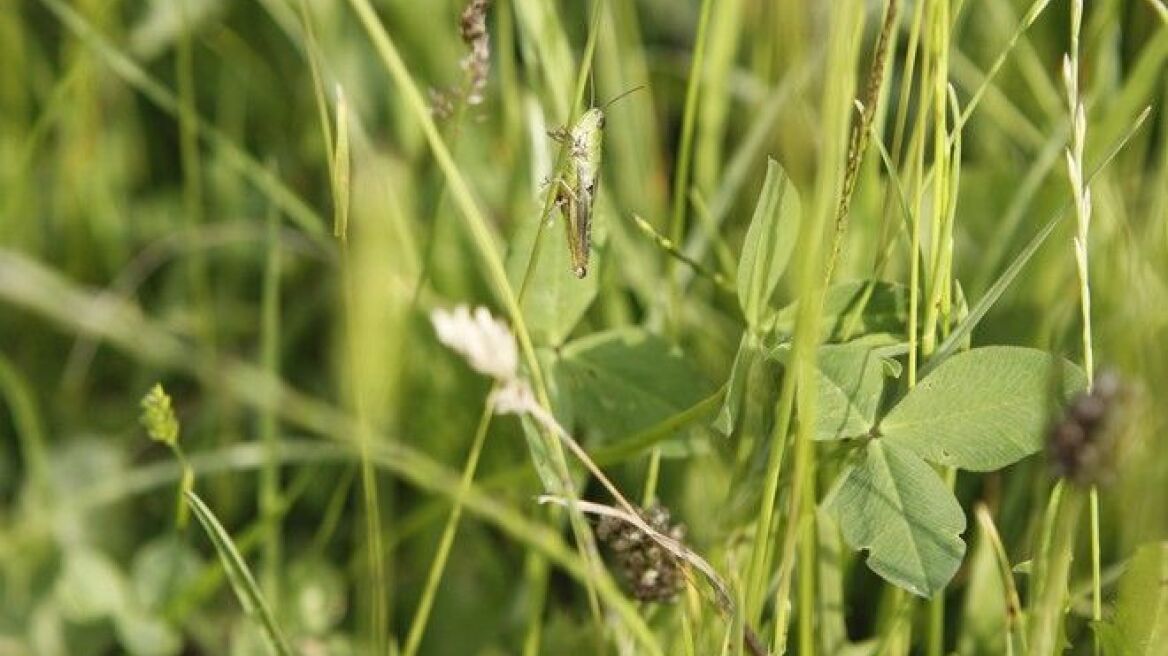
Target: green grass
(809, 225)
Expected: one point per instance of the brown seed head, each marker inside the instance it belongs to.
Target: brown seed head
(652, 573)
(1080, 444)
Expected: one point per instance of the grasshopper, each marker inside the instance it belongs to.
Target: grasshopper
(575, 186)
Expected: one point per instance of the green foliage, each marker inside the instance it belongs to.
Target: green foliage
(850, 383)
(1140, 624)
(770, 238)
(749, 354)
(316, 596)
(861, 308)
(894, 505)
(623, 381)
(983, 409)
(554, 303)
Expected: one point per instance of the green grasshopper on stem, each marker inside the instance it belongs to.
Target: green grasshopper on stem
(575, 186)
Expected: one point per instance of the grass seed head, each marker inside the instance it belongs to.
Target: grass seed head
(477, 63)
(158, 416)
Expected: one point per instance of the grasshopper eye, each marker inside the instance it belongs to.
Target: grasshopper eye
(580, 271)
(600, 122)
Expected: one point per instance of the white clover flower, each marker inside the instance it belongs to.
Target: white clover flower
(514, 398)
(485, 342)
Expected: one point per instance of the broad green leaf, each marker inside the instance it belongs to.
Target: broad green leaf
(554, 300)
(623, 381)
(894, 505)
(627, 447)
(146, 634)
(242, 581)
(162, 570)
(90, 587)
(856, 308)
(849, 382)
(769, 242)
(748, 352)
(315, 596)
(1140, 625)
(982, 409)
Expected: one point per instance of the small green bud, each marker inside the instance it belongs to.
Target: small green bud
(158, 416)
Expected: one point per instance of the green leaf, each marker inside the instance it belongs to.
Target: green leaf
(894, 505)
(145, 634)
(856, 308)
(980, 410)
(630, 446)
(849, 382)
(623, 381)
(1140, 626)
(983, 616)
(242, 581)
(769, 242)
(90, 587)
(736, 387)
(315, 596)
(554, 300)
(162, 570)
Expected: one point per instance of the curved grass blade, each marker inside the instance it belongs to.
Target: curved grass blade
(242, 581)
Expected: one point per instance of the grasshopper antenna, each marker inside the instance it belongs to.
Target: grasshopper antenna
(622, 94)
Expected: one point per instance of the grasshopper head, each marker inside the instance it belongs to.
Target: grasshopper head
(591, 122)
(580, 270)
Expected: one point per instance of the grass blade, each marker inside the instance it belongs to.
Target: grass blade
(242, 581)
(134, 75)
(978, 312)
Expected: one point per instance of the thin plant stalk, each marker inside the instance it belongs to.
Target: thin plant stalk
(192, 176)
(685, 153)
(1014, 628)
(861, 131)
(1082, 202)
(535, 577)
(798, 547)
(371, 498)
(946, 168)
(1046, 616)
(438, 565)
(897, 633)
(759, 556)
(652, 473)
(269, 496)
